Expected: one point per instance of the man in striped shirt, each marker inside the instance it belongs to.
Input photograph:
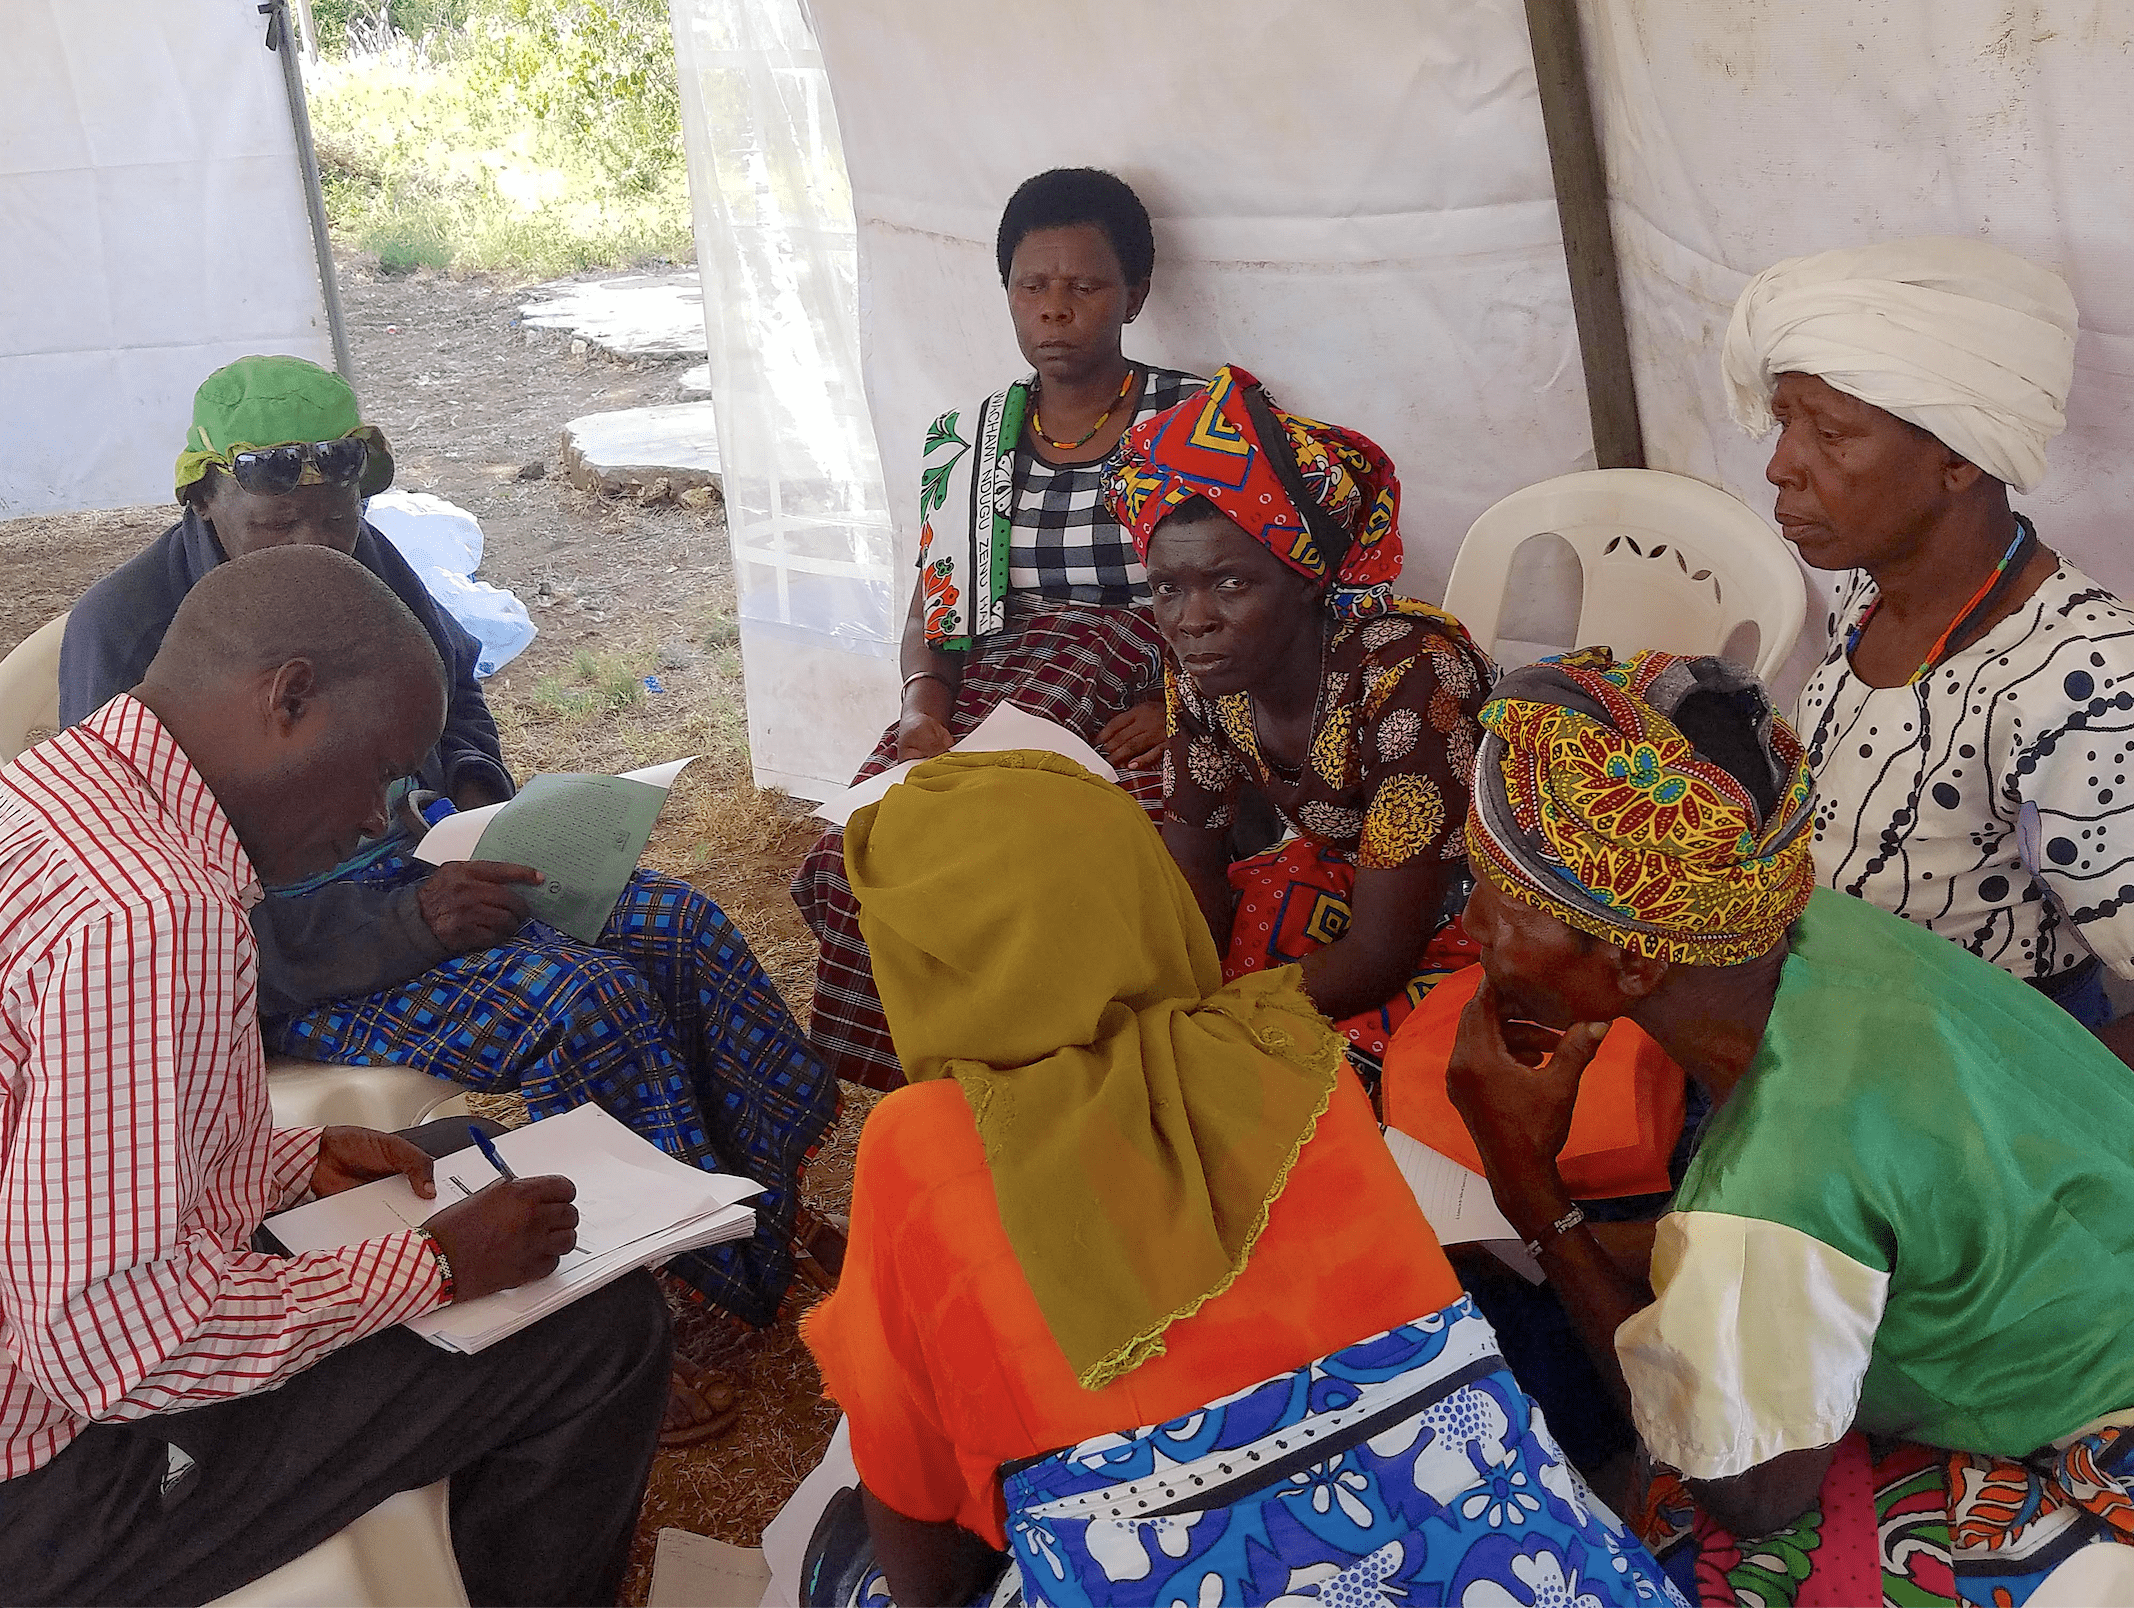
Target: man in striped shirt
(180, 1413)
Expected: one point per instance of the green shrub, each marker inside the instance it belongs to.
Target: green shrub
(406, 241)
(342, 23)
(499, 152)
(600, 73)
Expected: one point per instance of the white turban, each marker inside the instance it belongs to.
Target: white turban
(1959, 337)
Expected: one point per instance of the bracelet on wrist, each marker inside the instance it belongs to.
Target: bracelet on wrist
(1555, 1231)
(930, 675)
(444, 1263)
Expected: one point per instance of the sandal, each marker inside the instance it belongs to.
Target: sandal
(700, 1406)
(818, 1248)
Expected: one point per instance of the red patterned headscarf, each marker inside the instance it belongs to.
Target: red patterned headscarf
(1317, 496)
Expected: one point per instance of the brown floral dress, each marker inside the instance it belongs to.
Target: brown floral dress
(1384, 784)
(1393, 745)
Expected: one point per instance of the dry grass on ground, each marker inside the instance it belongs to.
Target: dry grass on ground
(740, 844)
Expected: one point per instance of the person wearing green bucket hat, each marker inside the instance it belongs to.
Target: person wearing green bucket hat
(668, 1022)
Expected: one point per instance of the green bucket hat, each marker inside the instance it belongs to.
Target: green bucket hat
(260, 402)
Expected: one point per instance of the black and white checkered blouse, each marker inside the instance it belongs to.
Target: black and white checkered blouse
(1065, 542)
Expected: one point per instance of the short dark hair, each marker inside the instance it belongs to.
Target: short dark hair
(295, 602)
(1721, 728)
(1063, 197)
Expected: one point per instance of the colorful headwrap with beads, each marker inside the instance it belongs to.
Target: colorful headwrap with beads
(1590, 805)
(1322, 499)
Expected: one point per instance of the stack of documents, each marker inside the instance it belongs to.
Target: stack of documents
(1008, 726)
(1459, 1204)
(637, 1207)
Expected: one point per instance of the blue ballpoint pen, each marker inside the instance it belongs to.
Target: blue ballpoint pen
(489, 1153)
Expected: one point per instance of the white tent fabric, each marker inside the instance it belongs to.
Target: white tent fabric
(1353, 203)
(154, 228)
(1737, 133)
(1356, 204)
(804, 497)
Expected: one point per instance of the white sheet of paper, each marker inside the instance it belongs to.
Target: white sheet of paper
(630, 1200)
(786, 1537)
(455, 837)
(1459, 1204)
(1007, 727)
(1457, 1201)
(694, 1571)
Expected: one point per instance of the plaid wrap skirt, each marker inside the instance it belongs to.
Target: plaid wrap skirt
(668, 1023)
(1074, 663)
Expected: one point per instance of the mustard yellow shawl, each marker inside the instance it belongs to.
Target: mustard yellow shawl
(1033, 939)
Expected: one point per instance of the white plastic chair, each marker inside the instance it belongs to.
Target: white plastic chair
(304, 1093)
(398, 1555)
(1668, 562)
(29, 687)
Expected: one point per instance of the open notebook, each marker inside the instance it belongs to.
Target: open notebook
(637, 1207)
(583, 832)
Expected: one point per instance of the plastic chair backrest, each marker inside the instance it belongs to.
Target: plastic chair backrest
(398, 1555)
(318, 1094)
(29, 687)
(1668, 562)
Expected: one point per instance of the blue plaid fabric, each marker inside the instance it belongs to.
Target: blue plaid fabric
(668, 1023)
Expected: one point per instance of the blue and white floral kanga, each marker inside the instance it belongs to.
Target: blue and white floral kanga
(1408, 1468)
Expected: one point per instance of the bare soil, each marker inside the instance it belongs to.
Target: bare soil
(471, 404)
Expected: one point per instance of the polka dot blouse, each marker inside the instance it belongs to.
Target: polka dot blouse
(1992, 801)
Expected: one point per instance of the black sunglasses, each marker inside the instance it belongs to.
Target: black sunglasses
(275, 471)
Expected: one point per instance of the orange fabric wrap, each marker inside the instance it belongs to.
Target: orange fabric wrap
(935, 1348)
(1624, 1127)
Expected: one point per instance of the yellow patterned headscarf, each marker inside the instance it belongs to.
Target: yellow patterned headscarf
(1591, 805)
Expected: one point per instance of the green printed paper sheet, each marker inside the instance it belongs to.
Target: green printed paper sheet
(581, 831)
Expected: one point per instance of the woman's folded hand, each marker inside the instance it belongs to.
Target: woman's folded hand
(1134, 740)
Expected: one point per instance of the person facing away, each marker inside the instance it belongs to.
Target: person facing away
(1887, 1328)
(1028, 591)
(1272, 544)
(179, 1412)
(1969, 727)
(668, 1021)
(1136, 1292)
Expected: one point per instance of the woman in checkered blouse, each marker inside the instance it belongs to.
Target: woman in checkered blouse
(1028, 590)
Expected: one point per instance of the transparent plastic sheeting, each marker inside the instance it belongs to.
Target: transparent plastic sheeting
(152, 228)
(1738, 133)
(819, 609)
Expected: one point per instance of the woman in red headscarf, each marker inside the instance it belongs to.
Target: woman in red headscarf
(1271, 544)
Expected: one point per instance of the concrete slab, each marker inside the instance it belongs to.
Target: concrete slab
(652, 454)
(696, 383)
(655, 317)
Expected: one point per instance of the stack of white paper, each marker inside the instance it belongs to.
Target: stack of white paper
(637, 1207)
(1459, 1204)
(1008, 726)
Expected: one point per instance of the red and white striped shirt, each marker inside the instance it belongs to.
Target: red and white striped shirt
(137, 1150)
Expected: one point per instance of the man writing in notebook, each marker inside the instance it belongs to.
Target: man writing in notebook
(179, 1413)
(668, 1022)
